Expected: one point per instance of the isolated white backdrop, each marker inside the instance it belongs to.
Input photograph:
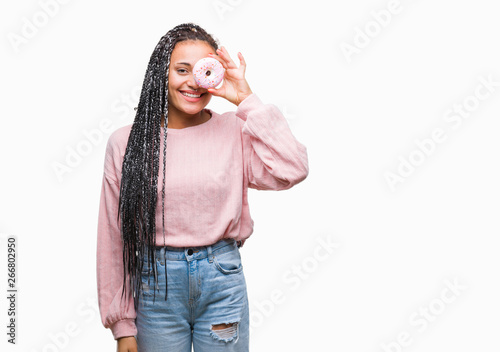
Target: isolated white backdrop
(384, 283)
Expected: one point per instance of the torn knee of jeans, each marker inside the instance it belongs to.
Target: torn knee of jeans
(225, 332)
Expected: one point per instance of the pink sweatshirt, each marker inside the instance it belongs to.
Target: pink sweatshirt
(209, 170)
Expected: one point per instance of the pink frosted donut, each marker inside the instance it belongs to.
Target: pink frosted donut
(208, 72)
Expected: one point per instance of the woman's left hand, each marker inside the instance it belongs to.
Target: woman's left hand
(235, 87)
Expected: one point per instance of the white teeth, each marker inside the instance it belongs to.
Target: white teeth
(190, 95)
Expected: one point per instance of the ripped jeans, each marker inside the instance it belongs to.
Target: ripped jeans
(206, 306)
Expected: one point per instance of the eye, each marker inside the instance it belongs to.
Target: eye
(182, 70)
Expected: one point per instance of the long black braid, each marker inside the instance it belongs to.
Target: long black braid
(138, 189)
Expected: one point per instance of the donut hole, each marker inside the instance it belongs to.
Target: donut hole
(208, 73)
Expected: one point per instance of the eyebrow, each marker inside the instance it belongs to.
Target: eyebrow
(184, 63)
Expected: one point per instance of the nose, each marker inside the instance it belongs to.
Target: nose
(192, 83)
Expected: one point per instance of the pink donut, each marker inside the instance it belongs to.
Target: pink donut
(208, 72)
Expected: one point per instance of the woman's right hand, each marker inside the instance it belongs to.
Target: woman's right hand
(126, 344)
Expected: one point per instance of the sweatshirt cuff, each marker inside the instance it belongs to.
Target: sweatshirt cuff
(248, 104)
(123, 328)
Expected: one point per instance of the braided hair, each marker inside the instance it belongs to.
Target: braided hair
(138, 189)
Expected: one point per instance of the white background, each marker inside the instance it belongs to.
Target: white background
(358, 115)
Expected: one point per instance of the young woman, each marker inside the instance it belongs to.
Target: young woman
(211, 161)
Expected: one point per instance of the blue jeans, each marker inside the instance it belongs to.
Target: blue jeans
(206, 287)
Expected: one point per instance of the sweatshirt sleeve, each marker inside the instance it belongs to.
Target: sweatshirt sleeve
(116, 313)
(273, 158)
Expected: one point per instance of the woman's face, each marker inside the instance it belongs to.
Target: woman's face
(181, 79)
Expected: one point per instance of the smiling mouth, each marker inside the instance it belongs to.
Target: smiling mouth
(192, 95)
